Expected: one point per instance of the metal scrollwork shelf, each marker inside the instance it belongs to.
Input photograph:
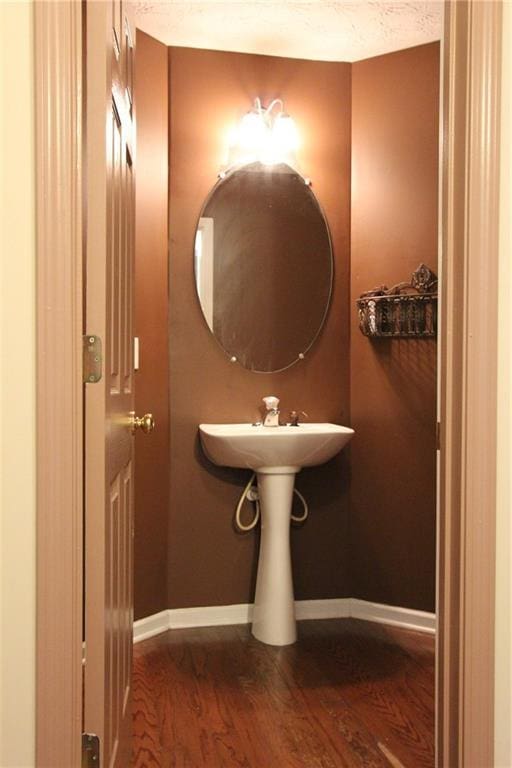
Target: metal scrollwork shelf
(407, 310)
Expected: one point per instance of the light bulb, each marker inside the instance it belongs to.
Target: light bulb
(285, 137)
(252, 133)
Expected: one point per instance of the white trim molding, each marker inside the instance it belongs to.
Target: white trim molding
(341, 608)
(406, 618)
(150, 626)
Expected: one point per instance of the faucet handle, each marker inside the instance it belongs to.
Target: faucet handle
(271, 403)
(294, 417)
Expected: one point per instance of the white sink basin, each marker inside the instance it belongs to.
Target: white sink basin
(257, 448)
(276, 454)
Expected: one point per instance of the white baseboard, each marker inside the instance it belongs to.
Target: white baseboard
(341, 608)
(210, 616)
(150, 626)
(338, 608)
(407, 618)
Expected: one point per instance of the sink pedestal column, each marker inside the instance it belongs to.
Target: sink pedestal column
(274, 606)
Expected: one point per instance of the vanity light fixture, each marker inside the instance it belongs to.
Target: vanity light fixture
(267, 134)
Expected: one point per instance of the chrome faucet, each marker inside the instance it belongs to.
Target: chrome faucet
(272, 416)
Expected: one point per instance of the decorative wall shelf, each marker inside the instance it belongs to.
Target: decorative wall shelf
(407, 310)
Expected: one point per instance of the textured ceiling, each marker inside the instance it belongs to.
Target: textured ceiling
(327, 30)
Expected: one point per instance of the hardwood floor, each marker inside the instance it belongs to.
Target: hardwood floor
(347, 694)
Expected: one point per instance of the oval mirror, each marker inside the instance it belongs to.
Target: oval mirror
(263, 266)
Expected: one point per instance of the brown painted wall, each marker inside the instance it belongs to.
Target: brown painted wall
(208, 562)
(151, 323)
(390, 555)
(393, 383)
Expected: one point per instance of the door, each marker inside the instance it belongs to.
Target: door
(109, 163)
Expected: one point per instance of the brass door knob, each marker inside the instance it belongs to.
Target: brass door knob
(146, 423)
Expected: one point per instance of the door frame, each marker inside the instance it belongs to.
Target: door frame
(59, 390)
(468, 376)
(468, 392)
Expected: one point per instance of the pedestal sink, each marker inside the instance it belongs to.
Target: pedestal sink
(276, 454)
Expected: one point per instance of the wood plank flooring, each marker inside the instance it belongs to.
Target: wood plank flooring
(348, 694)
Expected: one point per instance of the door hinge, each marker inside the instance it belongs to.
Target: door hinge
(92, 359)
(90, 750)
(438, 435)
